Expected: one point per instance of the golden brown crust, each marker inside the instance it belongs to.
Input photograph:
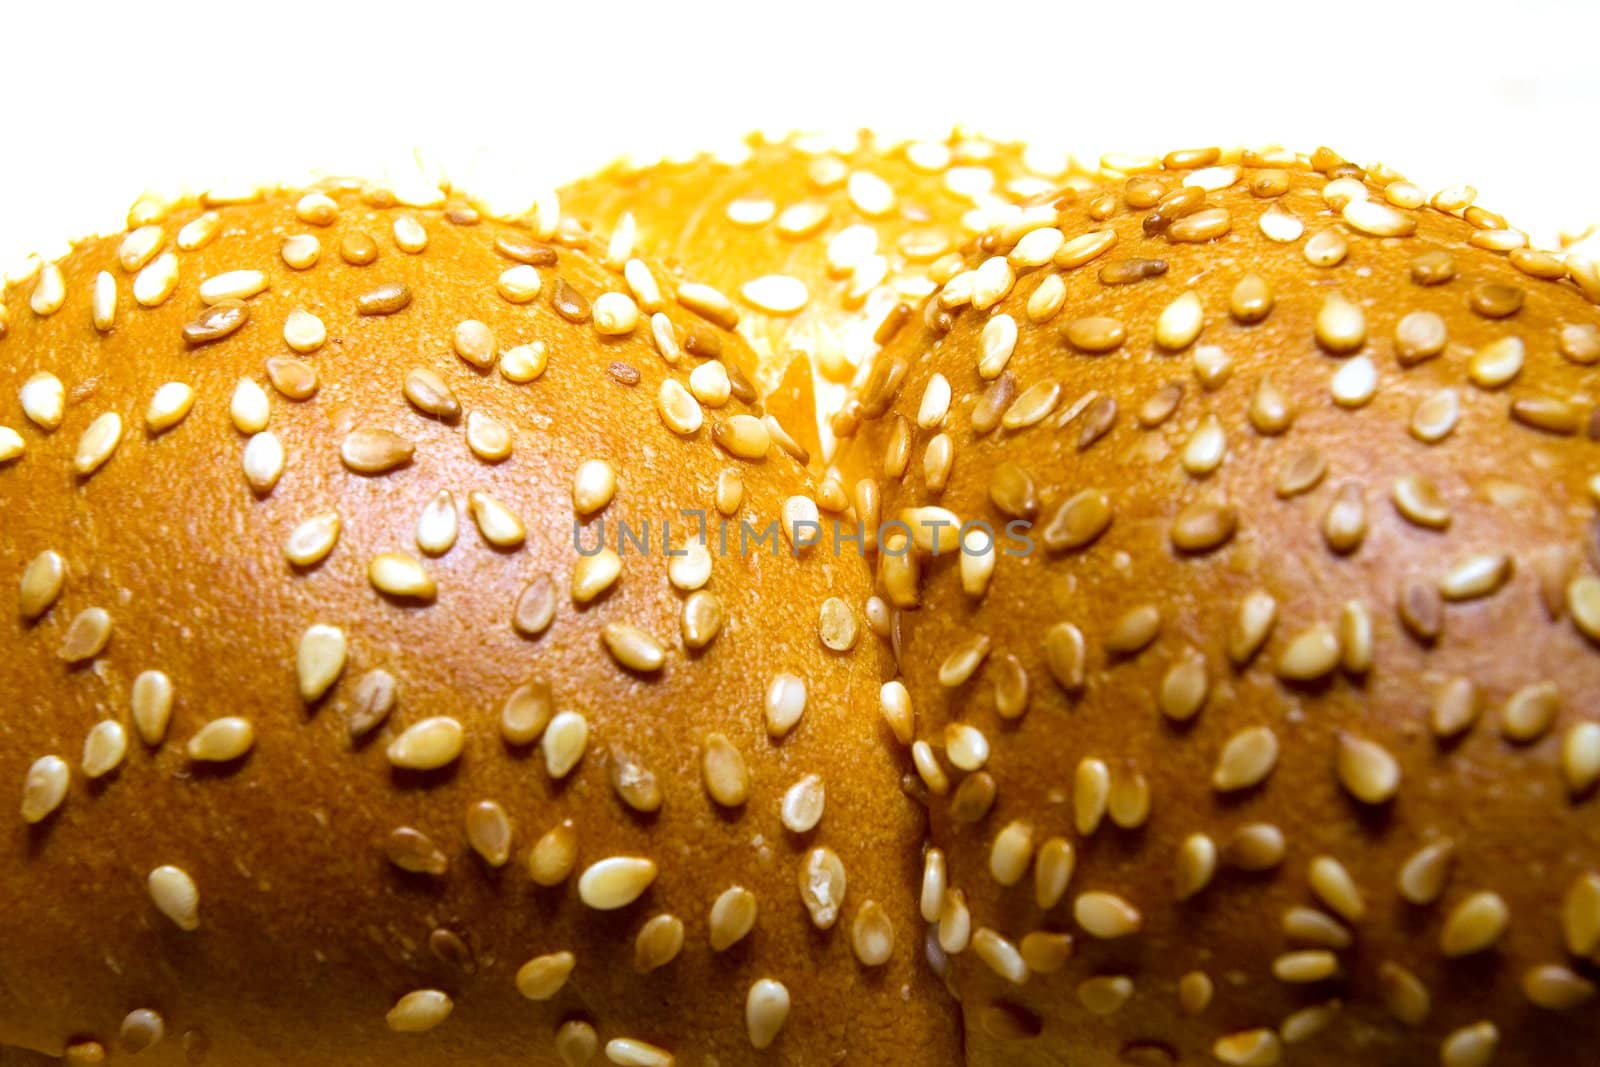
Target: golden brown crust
(1433, 512)
(818, 240)
(307, 931)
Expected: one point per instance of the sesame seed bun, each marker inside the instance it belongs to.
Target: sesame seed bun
(1281, 743)
(818, 240)
(328, 746)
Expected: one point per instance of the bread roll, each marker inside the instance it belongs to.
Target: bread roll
(1273, 736)
(326, 744)
(818, 240)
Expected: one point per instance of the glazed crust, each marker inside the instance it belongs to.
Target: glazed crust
(856, 222)
(1213, 492)
(307, 933)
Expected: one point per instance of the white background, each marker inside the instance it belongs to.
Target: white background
(104, 100)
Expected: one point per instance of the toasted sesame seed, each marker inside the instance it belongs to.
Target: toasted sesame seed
(412, 850)
(139, 247)
(928, 768)
(1249, 1048)
(384, 300)
(1422, 878)
(375, 451)
(1404, 995)
(1378, 220)
(1580, 915)
(1367, 770)
(319, 660)
(293, 378)
(1246, 760)
(372, 699)
(142, 1029)
(1195, 989)
(733, 916)
(1496, 363)
(358, 249)
(727, 777)
(430, 395)
(1435, 416)
(934, 884)
(1251, 299)
(1106, 915)
(837, 625)
(657, 943)
(41, 584)
(1556, 988)
(498, 524)
(175, 896)
(1470, 1046)
(86, 637)
(1180, 322)
(97, 444)
(1184, 687)
(428, 744)
(1312, 927)
(1257, 614)
(973, 798)
(1079, 521)
(553, 856)
(1206, 224)
(1130, 271)
(1256, 846)
(708, 303)
(615, 882)
(593, 574)
(1278, 225)
(822, 886)
(1011, 853)
(1095, 334)
(1105, 994)
(1196, 865)
(543, 976)
(44, 789)
(1310, 965)
(1332, 884)
(1417, 500)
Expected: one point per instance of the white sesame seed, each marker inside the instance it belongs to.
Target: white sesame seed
(775, 294)
(428, 745)
(615, 314)
(199, 231)
(310, 542)
(319, 660)
(97, 443)
(151, 706)
(249, 408)
(822, 886)
(871, 195)
(12, 446)
(1332, 884)
(44, 400)
(264, 461)
(104, 748)
(1580, 757)
(49, 291)
(233, 285)
(156, 282)
(615, 882)
(519, 284)
(1355, 383)
(301, 251)
(633, 648)
(1496, 363)
(631, 1052)
(400, 575)
(800, 221)
(139, 247)
(103, 305)
(593, 486)
(524, 363)
(1278, 225)
(175, 896)
(303, 331)
(45, 788)
(222, 740)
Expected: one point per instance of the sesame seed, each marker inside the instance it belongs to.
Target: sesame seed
(1257, 614)
(1417, 500)
(1530, 712)
(1046, 299)
(1312, 927)
(264, 461)
(657, 943)
(97, 444)
(872, 196)
(991, 282)
(175, 896)
(733, 916)
(142, 1029)
(822, 886)
(1470, 1046)
(358, 249)
(709, 304)
(565, 740)
(1278, 225)
(837, 625)
(1206, 224)
(199, 232)
(690, 568)
(301, 251)
(428, 745)
(615, 314)
(150, 704)
(371, 701)
(41, 584)
(1367, 770)
(49, 291)
(310, 542)
(932, 894)
(1203, 526)
(1404, 995)
(524, 363)
(1251, 299)
(894, 700)
(1249, 1048)
(928, 768)
(1106, 915)
(139, 247)
(1475, 576)
(1326, 248)
(1184, 687)
(430, 395)
(412, 850)
(1556, 988)
(293, 378)
(233, 285)
(1580, 343)
(629, 1052)
(633, 648)
(800, 221)
(872, 934)
(1332, 884)
(703, 617)
(1000, 954)
(12, 445)
(784, 704)
(86, 637)
(1378, 220)
(1435, 416)
(319, 660)
(1196, 866)
(304, 331)
(775, 294)
(1246, 760)
(1341, 326)
(553, 856)
(222, 740)
(802, 804)
(1065, 651)
(1311, 965)
(44, 789)
(419, 1011)
(157, 281)
(1355, 383)
(543, 976)
(1194, 992)
(1255, 847)
(1180, 322)
(375, 451)
(249, 407)
(750, 211)
(498, 525)
(1037, 247)
(1580, 757)
(1421, 610)
(615, 882)
(398, 574)
(1095, 334)
(1079, 521)
(593, 574)
(384, 300)
(1422, 877)
(1496, 363)
(727, 778)
(1011, 853)
(1580, 915)
(593, 486)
